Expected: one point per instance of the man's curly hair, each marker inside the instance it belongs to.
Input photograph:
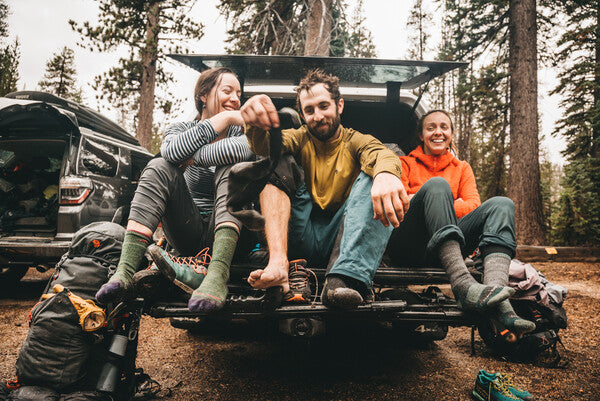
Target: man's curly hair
(314, 77)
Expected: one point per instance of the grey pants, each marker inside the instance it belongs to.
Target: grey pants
(162, 196)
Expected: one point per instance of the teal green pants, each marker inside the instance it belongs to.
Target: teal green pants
(431, 220)
(349, 242)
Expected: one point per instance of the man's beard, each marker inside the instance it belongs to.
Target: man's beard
(324, 137)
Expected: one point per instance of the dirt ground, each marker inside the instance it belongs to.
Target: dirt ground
(249, 364)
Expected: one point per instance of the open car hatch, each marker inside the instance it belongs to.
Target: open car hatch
(366, 73)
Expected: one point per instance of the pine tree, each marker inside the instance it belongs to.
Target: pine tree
(418, 19)
(60, 76)
(149, 29)
(280, 27)
(577, 220)
(9, 55)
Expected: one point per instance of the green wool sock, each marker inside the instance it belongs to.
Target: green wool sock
(211, 294)
(469, 293)
(134, 247)
(495, 272)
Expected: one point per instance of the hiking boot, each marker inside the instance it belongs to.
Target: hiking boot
(185, 272)
(508, 381)
(488, 389)
(344, 292)
(298, 277)
(150, 283)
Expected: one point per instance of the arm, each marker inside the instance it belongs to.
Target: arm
(230, 150)
(468, 196)
(390, 201)
(182, 140)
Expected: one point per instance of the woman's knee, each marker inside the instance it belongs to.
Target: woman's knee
(159, 166)
(501, 203)
(437, 186)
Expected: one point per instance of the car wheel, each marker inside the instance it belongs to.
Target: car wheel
(10, 275)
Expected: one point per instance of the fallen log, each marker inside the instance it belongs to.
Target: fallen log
(529, 253)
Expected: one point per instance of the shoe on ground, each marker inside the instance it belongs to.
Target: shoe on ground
(487, 389)
(186, 273)
(298, 277)
(507, 379)
(343, 292)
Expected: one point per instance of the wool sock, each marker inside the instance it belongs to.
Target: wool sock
(211, 294)
(469, 293)
(134, 247)
(495, 272)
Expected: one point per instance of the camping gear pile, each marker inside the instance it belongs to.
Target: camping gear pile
(74, 349)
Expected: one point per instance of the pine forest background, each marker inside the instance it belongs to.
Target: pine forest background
(566, 32)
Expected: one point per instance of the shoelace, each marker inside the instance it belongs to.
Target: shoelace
(297, 278)
(507, 379)
(502, 388)
(199, 262)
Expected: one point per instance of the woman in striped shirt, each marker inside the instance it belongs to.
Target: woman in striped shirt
(185, 189)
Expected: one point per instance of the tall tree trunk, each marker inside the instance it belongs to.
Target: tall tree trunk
(318, 29)
(524, 175)
(149, 58)
(595, 150)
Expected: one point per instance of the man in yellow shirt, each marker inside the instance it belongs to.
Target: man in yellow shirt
(343, 212)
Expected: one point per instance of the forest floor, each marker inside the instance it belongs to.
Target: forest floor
(248, 364)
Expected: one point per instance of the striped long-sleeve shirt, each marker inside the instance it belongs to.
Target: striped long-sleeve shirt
(193, 139)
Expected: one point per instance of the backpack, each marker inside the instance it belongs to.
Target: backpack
(57, 354)
(91, 259)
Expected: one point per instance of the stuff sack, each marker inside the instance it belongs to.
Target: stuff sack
(92, 258)
(56, 349)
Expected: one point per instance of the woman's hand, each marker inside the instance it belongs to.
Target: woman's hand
(224, 119)
(259, 111)
(390, 202)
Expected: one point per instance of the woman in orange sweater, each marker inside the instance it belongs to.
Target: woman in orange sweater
(446, 221)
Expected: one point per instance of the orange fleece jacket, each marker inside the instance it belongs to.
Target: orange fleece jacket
(418, 168)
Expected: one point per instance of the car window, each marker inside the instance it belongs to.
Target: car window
(138, 162)
(99, 158)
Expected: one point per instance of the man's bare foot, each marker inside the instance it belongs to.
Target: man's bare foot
(275, 274)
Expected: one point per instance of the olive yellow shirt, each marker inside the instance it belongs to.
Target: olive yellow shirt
(330, 168)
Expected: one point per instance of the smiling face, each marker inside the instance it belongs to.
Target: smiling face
(225, 95)
(436, 134)
(321, 113)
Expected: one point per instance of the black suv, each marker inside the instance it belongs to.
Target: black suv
(62, 166)
(381, 98)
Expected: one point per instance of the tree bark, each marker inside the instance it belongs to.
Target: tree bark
(148, 81)
(595, 148)
(318, 29)
(524, 175)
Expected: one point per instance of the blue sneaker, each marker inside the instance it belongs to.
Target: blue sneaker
(487, 389)
(508, 380)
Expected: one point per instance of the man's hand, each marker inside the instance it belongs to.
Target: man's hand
(259, 111)
(390, 201)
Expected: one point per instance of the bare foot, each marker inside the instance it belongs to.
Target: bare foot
(275, 274)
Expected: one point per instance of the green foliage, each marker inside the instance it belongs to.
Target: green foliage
(126, 23)
(60, 76)
(278, 27)
(418, 34)
(580, 80)
(576, 221)
(9, 55)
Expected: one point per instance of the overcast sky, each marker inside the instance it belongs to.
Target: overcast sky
(42, 29)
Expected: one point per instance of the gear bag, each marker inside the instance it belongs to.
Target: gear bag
(92, 258)
(57, 353)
